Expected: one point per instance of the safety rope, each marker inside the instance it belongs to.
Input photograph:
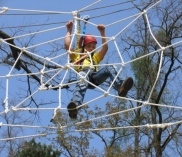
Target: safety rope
(78, 35)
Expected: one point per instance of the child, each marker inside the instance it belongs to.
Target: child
(95, 76)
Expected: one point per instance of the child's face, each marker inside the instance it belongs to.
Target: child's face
(90, 46)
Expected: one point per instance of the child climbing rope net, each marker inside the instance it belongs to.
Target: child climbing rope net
(88, 71)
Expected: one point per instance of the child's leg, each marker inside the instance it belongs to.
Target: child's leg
(107, 72)
(80, 89)
(78, 96)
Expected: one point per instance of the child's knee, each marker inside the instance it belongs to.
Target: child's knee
(81, 75)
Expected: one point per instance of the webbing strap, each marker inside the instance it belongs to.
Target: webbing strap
(86, 18)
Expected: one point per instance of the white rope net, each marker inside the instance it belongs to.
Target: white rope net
(61, 73)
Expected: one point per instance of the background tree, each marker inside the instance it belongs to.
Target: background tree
(9, 132)
(166, 91)
(32, 148)
(76, 139)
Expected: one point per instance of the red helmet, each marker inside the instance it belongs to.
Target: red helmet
(87, 39)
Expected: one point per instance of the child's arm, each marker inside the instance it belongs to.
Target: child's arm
(67, 40)
(104, 48)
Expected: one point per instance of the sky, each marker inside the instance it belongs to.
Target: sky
(11, 19)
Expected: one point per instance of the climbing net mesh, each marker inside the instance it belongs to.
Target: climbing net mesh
(61, 71)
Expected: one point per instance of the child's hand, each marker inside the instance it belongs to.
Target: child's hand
(69, 25)
(101, 27)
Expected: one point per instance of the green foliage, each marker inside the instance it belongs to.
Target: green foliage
(141, 67)
(111, 152)
(34, 149)
(78, 143)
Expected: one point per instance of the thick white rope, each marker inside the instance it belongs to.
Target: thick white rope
(35, 11)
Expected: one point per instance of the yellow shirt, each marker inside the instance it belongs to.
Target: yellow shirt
(85, 63)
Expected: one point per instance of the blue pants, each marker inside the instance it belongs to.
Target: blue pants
(96, 78)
